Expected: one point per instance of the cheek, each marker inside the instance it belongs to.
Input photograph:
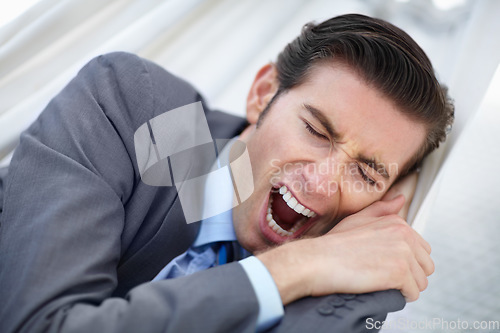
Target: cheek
(275, 145)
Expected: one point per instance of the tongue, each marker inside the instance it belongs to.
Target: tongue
(284, 215)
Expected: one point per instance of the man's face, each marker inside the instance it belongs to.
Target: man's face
(325, 149)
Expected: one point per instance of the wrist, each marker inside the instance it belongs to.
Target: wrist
(288, 269)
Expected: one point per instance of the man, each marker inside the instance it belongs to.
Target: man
(82, 235)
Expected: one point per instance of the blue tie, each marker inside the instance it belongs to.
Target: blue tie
(203, 257)
(229, 252)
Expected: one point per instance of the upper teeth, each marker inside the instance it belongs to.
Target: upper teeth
(293, 203)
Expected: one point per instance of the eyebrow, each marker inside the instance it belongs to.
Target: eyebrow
(325, 122)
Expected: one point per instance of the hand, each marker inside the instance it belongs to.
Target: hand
(405, 186)
(371, 250)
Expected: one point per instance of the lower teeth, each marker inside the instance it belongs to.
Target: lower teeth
(275, 226)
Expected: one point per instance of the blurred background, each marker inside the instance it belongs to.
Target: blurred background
(218, 46)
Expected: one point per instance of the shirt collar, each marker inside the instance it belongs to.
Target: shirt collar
(219, 227)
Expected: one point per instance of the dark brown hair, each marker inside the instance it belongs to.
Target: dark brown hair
(385, 57)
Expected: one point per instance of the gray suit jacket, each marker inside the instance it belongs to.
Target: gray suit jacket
(81, 235)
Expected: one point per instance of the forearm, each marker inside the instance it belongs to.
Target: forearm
(205, 302)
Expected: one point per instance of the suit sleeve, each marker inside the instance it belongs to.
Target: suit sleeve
(333, 313)
(340, 313)
(63, 219)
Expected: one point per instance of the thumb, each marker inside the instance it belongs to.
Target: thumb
(384, 207)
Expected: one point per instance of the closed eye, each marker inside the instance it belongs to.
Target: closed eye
(365, 177)
(314, 132)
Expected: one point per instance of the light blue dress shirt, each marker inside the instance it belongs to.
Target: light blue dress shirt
(201, 256)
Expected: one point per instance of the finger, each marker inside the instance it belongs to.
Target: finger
(405, 186)
(410, 289)
(383, 208)
(423, 242)
(419, 275)
(424, 260)
(421, 249)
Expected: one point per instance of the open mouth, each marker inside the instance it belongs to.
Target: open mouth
(286, 216)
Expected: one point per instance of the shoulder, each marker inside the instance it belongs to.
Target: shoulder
(130, 84)
(145, 89)
(130, 73)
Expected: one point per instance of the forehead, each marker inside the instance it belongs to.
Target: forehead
(369, 124)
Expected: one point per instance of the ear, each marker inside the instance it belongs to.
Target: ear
(263, 88)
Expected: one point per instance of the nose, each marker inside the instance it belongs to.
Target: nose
(324, 175)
